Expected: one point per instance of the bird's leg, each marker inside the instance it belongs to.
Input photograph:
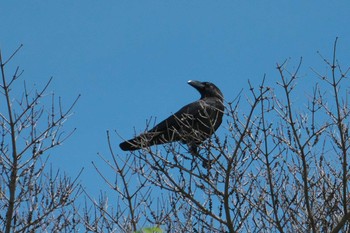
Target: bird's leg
(193, 149)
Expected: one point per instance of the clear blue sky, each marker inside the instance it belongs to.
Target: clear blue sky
(131, 60)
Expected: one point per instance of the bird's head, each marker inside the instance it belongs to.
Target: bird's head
(206, 89)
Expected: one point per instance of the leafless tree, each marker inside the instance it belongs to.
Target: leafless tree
(33, 196)
(282, 166)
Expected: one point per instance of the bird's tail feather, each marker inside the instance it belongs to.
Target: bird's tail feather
(142, 141)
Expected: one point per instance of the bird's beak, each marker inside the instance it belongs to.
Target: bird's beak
(196, 84)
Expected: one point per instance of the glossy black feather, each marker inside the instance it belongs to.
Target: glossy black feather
(192, 124)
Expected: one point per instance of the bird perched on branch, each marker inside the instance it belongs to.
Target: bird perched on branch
(192, 124)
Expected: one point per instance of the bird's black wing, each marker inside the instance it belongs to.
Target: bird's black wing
(173, 128)
(192, 109)
(192, 124)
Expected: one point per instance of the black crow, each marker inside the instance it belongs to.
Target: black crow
(192, 124)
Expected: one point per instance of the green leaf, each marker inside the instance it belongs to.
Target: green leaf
(150, 230)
